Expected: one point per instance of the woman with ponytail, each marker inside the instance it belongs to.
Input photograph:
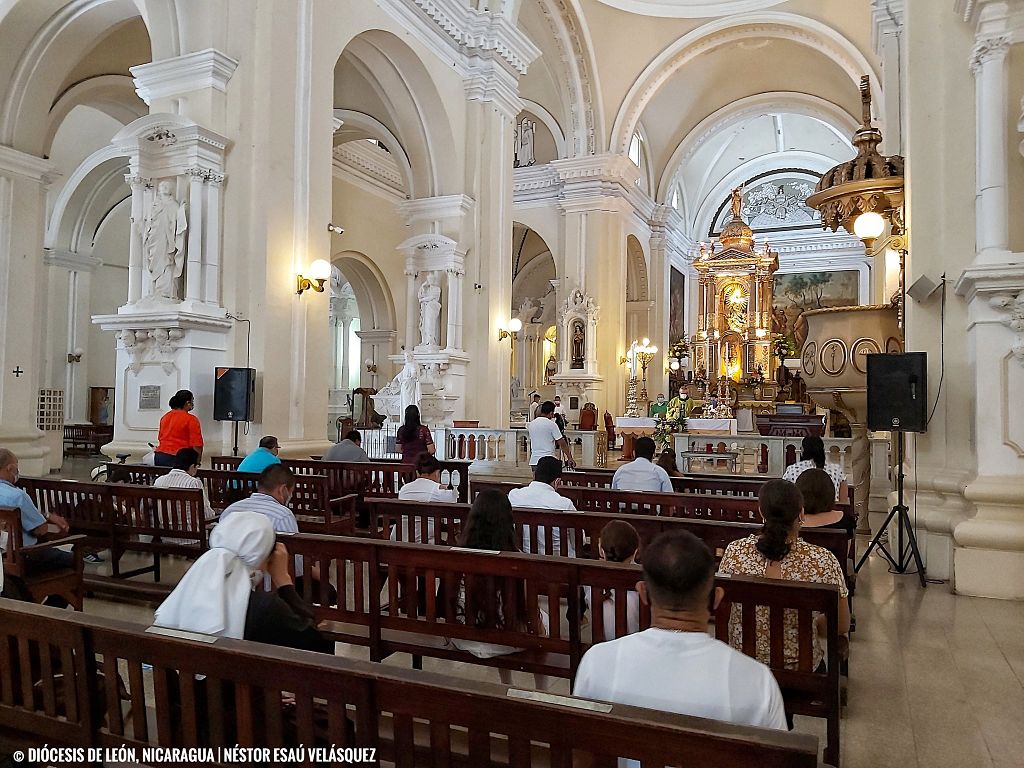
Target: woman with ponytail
(812, 456)
(780, 553)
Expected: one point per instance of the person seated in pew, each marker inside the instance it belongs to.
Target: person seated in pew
(667, 461)
(273, 494)
(34, 525)
(490, 526)
(819, 503)
(262, 457)
(812, 455)
(642, 474)
(780, 553)
(543, 493)
(183, 475)
(216, 596)
(349, 449)
(619, 543)
(426, 487)
(675, 665)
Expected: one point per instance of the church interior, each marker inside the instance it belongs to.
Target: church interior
(763, 236)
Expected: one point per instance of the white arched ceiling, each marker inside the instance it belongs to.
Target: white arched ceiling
(814, 35)
(114, 95)
(358, 125)
(567, 60)
(533, 265)
(52, 37)
(95, 187)
(401, 83)
(636, 271)
(691, 9)
(376, 305)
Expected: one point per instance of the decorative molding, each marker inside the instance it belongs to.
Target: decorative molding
(432, 252)
(1011, 307)
(431, 209)
(175, 77)
(886, 19)
(989, 49)
(76, 262)
(15, 163)
(361, 161)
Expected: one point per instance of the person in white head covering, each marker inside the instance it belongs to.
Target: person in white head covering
(216, 595)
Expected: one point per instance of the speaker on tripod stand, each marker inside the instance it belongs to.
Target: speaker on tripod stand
(898, 402)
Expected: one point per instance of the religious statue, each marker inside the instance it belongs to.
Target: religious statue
(516, 389)
(408, 381)
(779, 321)
(163, 241)
(579, 340)
(524, 150)
(549, 370)
(429, 297)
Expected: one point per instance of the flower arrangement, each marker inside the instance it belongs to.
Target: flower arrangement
(783, 347)
(668, 425)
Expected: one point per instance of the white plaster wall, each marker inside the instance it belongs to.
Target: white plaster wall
(109, 290)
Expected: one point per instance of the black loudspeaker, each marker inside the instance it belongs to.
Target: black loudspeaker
(233, 394)
(898, 392)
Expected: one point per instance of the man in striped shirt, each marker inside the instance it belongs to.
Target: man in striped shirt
(183, 475)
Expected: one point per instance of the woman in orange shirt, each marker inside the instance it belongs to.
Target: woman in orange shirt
(178, 429)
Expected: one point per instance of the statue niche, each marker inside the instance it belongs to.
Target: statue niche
(579, 345)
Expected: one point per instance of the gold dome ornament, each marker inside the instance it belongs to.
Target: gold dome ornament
(870, 184)
(736, 233)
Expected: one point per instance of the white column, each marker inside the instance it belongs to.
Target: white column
(988, 62)
(344, 351)
(211, 251)
(412, 311)
(138, 186)
(194, 269)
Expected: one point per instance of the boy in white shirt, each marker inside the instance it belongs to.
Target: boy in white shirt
(546, 438)
(675, 666)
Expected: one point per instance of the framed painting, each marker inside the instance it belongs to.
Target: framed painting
(676, 306)
(798, 292)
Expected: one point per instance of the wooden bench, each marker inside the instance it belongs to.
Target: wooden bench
(805, 690)
(314, 508)
(17, 564)
(226, 692)
(441, 524)
(417, 612)
(86, 439)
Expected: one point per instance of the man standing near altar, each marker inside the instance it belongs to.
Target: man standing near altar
(681, 404)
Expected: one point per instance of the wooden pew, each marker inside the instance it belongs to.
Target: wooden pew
(86, 439)
(222, 693)
(314, 508)
(369, 479)
(417, 613)
(17, 566)
(409, 518)
(805, 690)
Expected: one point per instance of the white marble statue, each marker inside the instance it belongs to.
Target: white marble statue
(408, 383)
(516, 388)
(525, 133)
(429, 297)
(163, 241)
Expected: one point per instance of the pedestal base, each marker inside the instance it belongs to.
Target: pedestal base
(32, 449)
(988, 573)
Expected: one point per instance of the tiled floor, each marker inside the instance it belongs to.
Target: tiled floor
(936, 680)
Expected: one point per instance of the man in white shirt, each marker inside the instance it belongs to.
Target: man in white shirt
(546, 438)
(183, 475)
(675, 666)
(543, 493)
(426, 487)
(642, 474)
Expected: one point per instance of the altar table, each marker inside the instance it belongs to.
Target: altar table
(630, 428)
(711, 426)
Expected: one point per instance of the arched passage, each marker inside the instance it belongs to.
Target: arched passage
(533, 303)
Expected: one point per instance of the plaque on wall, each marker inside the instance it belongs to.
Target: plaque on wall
(149, 397)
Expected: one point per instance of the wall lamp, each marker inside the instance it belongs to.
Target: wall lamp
(371, 367)
(320, 273)
(515, 325)
(76, 356)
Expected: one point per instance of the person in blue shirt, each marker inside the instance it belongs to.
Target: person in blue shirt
(33, 523)
(262, 457)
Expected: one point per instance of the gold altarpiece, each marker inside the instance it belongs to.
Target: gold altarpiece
(735, 291)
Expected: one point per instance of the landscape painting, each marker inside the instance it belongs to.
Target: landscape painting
(676, 306)
(798, 292)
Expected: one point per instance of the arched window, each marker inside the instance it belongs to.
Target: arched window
(676, 201)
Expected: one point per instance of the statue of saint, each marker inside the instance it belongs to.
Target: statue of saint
(579, 339)
(163, 241)
(429, 297)
(516, 388)
(524, 154)
(408, 381)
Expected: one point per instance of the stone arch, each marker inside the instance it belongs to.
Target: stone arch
(549, 122)
(370, 287)
(359, 125)
(637, 288)
(50, 45)
(721, 32)
(400, 79)
(113, 95)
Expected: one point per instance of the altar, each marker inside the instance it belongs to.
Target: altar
(632, 427)
(711, 426)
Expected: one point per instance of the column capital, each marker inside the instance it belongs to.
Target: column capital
(989, 48)
(433, 209)
(377, 336)
(486, 80)
(172, 78)
(589, 181)
(16, 163)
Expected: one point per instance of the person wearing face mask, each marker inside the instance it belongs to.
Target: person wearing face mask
(216, 595)
(659, 407)
(33, 524)
(681, 404)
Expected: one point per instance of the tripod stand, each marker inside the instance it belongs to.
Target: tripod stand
(901, 561)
